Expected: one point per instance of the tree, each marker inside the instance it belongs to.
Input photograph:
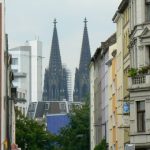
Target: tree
(30, 135)
(101, 146)
(75, 136)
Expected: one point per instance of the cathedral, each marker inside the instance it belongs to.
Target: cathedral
(82, 83)
(56, 75)
(55, 80)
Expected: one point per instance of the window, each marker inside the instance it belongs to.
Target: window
(141, 116)
(147, 10)
(62, 106)
(23, 95)
(46, 106)
(147, 55)
(15, 70)
(16, 80)
(14, 61)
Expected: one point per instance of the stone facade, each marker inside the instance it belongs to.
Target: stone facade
(139, 84)
(99, 93)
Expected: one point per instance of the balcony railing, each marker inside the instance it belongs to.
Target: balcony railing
(140, 81)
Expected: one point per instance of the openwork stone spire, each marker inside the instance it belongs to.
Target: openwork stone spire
(82, 86)
(54, 86)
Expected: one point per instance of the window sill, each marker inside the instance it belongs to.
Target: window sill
(140, 133)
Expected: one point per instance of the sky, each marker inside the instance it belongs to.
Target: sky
(31, 19)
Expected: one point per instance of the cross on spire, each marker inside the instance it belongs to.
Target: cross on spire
(85, 21)
(55, 21)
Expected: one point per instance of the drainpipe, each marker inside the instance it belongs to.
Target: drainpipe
(7, 100)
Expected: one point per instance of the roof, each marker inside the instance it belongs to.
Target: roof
(104, 46)
(39, 109)
(123, 5)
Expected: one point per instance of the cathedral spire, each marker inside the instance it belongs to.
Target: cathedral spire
(55, 22)
(55, 58)
(85, 50)
(54, 82)
(82, 87)
(85, 22)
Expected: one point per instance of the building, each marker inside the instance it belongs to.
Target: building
(122, 60)
(27, 69)
(36, 69)
(112, 97)
(7, 114)
(99, 102)
(56, 122)
(82, 83)
(39, 110)
(55, 79)
(139, 82)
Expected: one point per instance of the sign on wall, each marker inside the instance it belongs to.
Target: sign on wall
(130, 147)
(126, 108)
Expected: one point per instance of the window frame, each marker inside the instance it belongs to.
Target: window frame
(141, 127)
(147, 4)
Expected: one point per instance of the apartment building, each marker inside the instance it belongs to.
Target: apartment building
(112, 96)
(27, 69)
(7, 93)
(121, 18)
(99, 102)
(139, 81)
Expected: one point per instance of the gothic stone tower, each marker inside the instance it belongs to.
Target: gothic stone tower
(55, 86)
(82, 84)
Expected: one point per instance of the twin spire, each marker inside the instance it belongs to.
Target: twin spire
(56, 76)
(55, 22)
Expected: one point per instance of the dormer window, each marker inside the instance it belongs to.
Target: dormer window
(46, 106)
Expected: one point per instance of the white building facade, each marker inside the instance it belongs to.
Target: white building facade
(27, 69)
(139, 82)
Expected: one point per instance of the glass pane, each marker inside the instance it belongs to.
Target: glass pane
(141, 106)
(148, 12)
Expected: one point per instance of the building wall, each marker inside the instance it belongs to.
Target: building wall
(126, 66)
(104, 96)
(28, 72)
(2, 77)
(139, 54)
(95, 103)
(112, 94)
(36, 70)
(92, 108)
(22, 67)
(7, 114)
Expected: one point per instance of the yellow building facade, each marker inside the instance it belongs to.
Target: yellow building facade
(112, 85)
(119, 97)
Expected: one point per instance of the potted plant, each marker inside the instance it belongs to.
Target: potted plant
(132, 72)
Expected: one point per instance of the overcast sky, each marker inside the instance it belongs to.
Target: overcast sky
(28, 19)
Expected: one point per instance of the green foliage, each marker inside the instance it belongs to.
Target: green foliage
(144, 70)
(75, 136)
(132, 72)
(101, 146)
(32, 136)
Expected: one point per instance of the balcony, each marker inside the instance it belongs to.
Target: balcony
(139, 82)
(20, 74)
